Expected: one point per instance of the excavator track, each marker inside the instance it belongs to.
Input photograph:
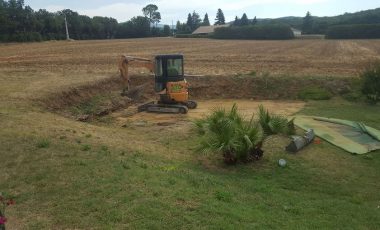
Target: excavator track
(153, 107)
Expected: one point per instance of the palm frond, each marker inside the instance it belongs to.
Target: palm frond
(272, 123)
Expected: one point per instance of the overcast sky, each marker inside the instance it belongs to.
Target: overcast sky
(173, 10)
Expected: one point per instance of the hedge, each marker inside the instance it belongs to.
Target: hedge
(256, 32)
(358, 31)
(192, 36)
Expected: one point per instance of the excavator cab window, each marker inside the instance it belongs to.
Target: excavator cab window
(169, 68)
(159, 71)
(174, 67)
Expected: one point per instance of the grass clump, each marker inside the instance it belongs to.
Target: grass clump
(86, 148)
(371, 83)
(223, 196)
(314, 93)
(43, 144)
(88, 107)
(252, 73)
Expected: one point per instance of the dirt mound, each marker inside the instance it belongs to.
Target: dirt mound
(99, 98)
(260, 87)
(79, 94)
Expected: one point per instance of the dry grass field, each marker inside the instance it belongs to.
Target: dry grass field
(143, 171)
(203, 56)
(60, 63)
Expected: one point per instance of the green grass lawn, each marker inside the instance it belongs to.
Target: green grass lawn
(70, 175)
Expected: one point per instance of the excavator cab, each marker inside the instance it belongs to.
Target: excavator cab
(170, 81)
(168, 68)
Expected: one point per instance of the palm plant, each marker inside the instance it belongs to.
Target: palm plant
(227, 132)
(230, 134)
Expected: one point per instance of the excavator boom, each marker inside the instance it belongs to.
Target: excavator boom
(128, 61)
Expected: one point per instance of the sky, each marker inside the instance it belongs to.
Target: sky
(174, 10)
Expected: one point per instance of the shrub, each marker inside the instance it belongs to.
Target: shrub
(257, 32)
(232, 136)
(314, 93)
(352, 96)
(43, 144)
(25, 37)
(371, 83)
(358, 31)
(192, 36)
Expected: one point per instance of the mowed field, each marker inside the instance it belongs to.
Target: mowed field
(203, 56)
(144, 172)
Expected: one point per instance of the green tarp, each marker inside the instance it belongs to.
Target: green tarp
(354, 137)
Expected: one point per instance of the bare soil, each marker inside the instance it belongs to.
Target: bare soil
(246, 107)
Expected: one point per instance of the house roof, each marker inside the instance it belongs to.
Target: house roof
(208, 29)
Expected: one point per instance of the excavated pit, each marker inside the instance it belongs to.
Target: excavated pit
(102, 98)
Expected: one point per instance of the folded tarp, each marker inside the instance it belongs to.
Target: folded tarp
(354, 137)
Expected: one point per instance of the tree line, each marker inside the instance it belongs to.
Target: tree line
(194, 21)
(320, 25)
(20, 23)
(255, 32)
(361, 25)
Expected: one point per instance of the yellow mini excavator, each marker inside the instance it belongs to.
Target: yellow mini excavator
(170, 82)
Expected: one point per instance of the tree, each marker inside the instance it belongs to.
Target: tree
(3, 19)
(103, 27)
(254, 21)
(196, 20)
(156, 17)
(182, 28)
(244, 20)
(189, 21)
(166, 31)
(141, 26)
(237, 21)
(137, 27)
(307, 25)
(206, 21)
(154, 32)
(220, 20)
(320, 27)
(151, 11)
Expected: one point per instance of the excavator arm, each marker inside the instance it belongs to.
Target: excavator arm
(126, 62)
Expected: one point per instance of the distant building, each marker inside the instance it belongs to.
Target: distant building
(205, 30)
(296, 32)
